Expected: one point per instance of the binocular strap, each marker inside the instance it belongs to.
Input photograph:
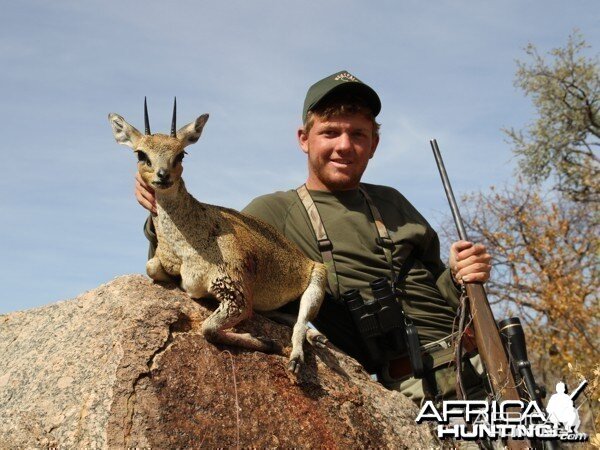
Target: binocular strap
(324, 245)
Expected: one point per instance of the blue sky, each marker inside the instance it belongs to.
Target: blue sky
(70, 222)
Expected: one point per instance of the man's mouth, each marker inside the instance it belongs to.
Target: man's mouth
(341, 162)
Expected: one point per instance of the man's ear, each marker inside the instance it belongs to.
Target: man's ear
(124, 133)
(303, 139)
(190, 133)
(374, 145)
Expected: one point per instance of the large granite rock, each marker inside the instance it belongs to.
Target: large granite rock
(124, 366)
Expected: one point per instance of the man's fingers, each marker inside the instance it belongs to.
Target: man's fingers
(144, 194)
(476, 249)
(474, 259)
(479, 277)
(149, 204)
(470, 262)
(459, 246)
(474, 268)
(479, 272)
(146, 204)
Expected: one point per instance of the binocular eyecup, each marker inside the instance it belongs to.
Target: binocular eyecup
(390, 315)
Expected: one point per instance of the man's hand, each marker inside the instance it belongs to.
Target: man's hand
(144, 194)
(469, 262)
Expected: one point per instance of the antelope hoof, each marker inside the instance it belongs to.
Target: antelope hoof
(294, 365)
(316, 339)
(296, 360)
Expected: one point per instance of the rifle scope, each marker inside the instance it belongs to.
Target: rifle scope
(514, 338)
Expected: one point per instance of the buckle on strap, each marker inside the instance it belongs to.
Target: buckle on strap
(324, 245)
(440, 344)
(384, 241)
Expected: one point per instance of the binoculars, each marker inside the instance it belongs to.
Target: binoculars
(383, 326)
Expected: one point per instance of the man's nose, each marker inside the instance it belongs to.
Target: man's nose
(344, 142)
(162, 174)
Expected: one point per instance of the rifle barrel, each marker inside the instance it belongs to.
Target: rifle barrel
(462, 233)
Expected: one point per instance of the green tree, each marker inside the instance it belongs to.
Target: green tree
(563, 140)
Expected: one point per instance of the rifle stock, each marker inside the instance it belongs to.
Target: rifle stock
(487, 335)
(490, 344)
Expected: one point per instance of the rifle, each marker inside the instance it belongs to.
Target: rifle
(487, 336)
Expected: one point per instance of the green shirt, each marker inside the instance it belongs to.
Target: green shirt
(428, 294)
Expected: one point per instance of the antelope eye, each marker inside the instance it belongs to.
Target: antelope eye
(179, 158)
(143, 158)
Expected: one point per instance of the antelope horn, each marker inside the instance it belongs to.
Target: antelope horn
(146, 120)
(174, 121)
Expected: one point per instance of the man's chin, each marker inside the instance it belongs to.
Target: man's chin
(341, 183)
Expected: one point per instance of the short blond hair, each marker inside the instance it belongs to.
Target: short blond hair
(339, 106)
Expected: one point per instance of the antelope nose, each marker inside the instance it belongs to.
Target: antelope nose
(162, 174)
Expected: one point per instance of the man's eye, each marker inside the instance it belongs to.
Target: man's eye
(143, 158)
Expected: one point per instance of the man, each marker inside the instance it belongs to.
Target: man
(365, 232)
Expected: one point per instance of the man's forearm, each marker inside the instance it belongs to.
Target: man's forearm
(150, 234)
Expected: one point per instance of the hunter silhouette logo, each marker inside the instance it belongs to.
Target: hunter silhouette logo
(561, 409)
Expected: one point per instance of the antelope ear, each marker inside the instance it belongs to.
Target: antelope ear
(124, 133)
(190, 133)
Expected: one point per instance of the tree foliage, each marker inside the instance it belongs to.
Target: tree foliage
(563, 141)
(544, 232)
(546, 271)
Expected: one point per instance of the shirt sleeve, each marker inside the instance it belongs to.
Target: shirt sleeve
(150, 234)
(443, 278)
(267, 210)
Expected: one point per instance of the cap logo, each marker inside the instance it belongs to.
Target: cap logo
(345, 76)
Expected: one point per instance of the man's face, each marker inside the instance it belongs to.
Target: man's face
(338, 151)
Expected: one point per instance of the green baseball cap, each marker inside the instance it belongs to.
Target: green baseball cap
(338, 82)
